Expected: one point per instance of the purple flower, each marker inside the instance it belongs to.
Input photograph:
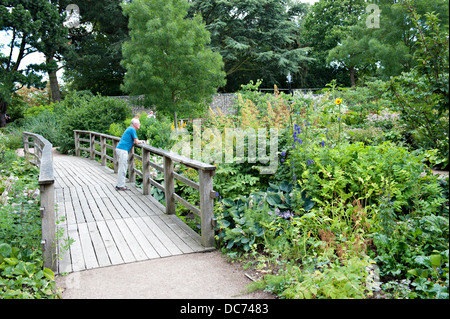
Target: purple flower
(282, 160)
(300, 141)
(309, 162)
(283, 153)
(323, 143)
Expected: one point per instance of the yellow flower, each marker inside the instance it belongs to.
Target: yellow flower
(338, 101)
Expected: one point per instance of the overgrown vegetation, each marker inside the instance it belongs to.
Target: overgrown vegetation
(353, 196)
(21, 265)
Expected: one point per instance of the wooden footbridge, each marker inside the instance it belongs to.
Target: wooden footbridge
(79, 203)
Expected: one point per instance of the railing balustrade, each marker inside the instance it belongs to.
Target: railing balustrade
(43, 158)
(205, 173)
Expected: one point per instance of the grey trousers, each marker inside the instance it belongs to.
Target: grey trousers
(122, 157)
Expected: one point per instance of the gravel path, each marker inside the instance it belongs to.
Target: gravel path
(192, 276)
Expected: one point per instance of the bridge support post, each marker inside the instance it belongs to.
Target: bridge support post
(103, 149)
(77, 143)
(169, 186)
(145, 171)
(206, 207)
(48, 225)
(92, 144)
(131, 172)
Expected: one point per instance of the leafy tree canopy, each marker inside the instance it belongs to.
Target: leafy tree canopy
(94, 62)
(257, 39)
(167, 58)
(29, 24)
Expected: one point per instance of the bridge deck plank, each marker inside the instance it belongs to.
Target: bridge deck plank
(111, 227)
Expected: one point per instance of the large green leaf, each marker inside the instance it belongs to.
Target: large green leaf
(286, 187)
(5, 251)
(436, 260)
(48, 273)
(273, 199)
(228, 202)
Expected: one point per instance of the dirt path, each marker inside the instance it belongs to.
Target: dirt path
(192, 276)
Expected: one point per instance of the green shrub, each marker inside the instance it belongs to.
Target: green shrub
(36, 110)
(323, 281)
(22, 275)
(352, 172)
(44, 123)
(80, 111)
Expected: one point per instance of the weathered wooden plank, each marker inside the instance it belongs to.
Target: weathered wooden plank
(64, 260)
(110, 208)
(69, 213)
(116, 227)
(135, 247)
(134, 203)
(99, 247)
(113, 252)
(88, 217)
(90, 259)
(151, 237)
(170, 246)
(76, 252)
(100, 191)
(94, 209)
(120, 241)
(130, 209)
(191, 233)
(188, 240)
(171, 234)
(140, 201)
(145, 245)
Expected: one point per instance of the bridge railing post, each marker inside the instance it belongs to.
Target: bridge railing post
(206, 207)
(77, 143)
(204, 186)
(115, 160)
(103, 149)
(92, 145)
(145, 171)
(44, 160)
(169, 185)
(131, 165)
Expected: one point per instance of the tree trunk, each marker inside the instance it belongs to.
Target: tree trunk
(176, 122)
(3, 106)
(54, 87)
(352, 76)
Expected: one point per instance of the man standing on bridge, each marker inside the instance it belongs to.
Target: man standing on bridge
(128, 139)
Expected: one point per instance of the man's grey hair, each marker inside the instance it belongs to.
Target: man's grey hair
(134, 121)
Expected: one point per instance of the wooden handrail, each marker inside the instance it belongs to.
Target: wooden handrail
(43, 158)
(205, 173)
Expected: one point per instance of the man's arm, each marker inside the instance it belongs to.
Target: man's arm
(136, 141)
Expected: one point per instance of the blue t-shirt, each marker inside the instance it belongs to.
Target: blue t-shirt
(127, 139)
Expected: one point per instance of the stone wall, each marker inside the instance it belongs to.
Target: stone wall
(223, 101)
